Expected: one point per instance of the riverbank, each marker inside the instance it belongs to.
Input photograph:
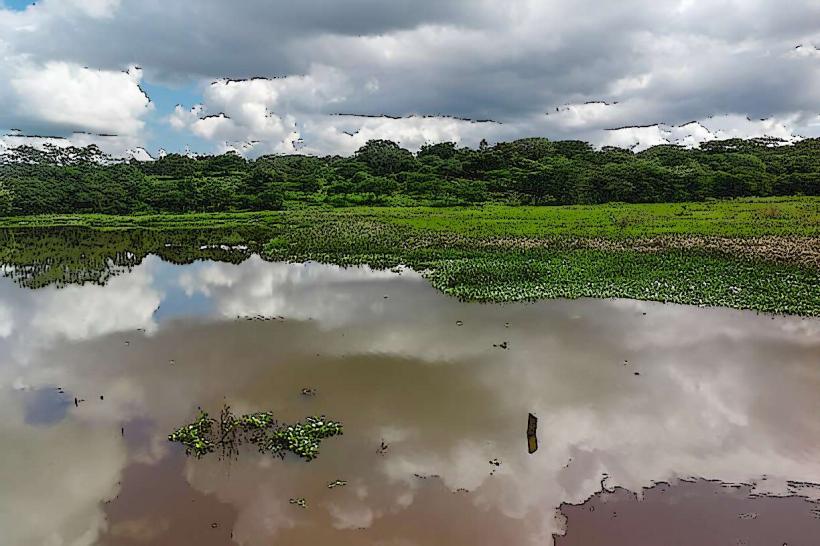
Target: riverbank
(759, 254)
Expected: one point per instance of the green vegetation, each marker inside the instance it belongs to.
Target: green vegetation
(728, 218)
(207, 435)
(798, 216)
(677, 269)
(533, 171)
(760, 254)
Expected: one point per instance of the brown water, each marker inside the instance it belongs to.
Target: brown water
(691, 512)
(627, 394)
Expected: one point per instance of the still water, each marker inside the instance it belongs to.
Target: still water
(434, 396)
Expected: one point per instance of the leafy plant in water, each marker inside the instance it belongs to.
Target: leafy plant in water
(196, 437)
(228, 433)
(303, 438)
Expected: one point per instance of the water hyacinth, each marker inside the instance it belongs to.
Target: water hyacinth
(303, 438)
(229, 432)
(197, 436)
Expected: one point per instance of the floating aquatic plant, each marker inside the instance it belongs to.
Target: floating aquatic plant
(228, 433)
(303, 438)
(196, 437)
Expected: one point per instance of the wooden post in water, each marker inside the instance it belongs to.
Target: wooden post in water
(532, 439)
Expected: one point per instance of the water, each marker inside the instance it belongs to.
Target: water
(627, 394)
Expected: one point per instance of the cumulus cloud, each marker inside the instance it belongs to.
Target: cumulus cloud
(64, 104)
(635, 63)
(67, 95)
(297, 113)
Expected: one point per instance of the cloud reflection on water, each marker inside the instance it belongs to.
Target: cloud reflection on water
(721, 394)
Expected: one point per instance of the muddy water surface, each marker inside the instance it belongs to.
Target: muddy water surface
(434, 396)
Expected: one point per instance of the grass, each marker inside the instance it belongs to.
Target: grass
(759, 254)
(746, 217)
(731, 218)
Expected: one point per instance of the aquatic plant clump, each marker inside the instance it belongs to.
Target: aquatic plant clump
(303, 438)
(196, 437)
(228, 433)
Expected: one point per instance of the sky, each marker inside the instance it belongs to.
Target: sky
(323, 76)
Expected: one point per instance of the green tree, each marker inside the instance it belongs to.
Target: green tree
(442, 150)
(384, 157)
(261, 189)
(6, 200)
(225, 164)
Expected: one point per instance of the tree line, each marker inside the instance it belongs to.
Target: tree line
(534, 171)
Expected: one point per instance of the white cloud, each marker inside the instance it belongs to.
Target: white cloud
(61, 94)
(284, 115)
(411, 132)
(113, 145)
(697, 132)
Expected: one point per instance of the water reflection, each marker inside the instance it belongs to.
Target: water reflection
(426, 392)
(46, 405)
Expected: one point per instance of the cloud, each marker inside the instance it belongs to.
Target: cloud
(696, 132)
(65, 104)
(64, 97)
(96, 9)
(430, 63)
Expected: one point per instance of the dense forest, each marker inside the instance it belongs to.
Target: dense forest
(532, 171)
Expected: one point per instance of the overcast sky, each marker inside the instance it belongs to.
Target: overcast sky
(324, 76)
